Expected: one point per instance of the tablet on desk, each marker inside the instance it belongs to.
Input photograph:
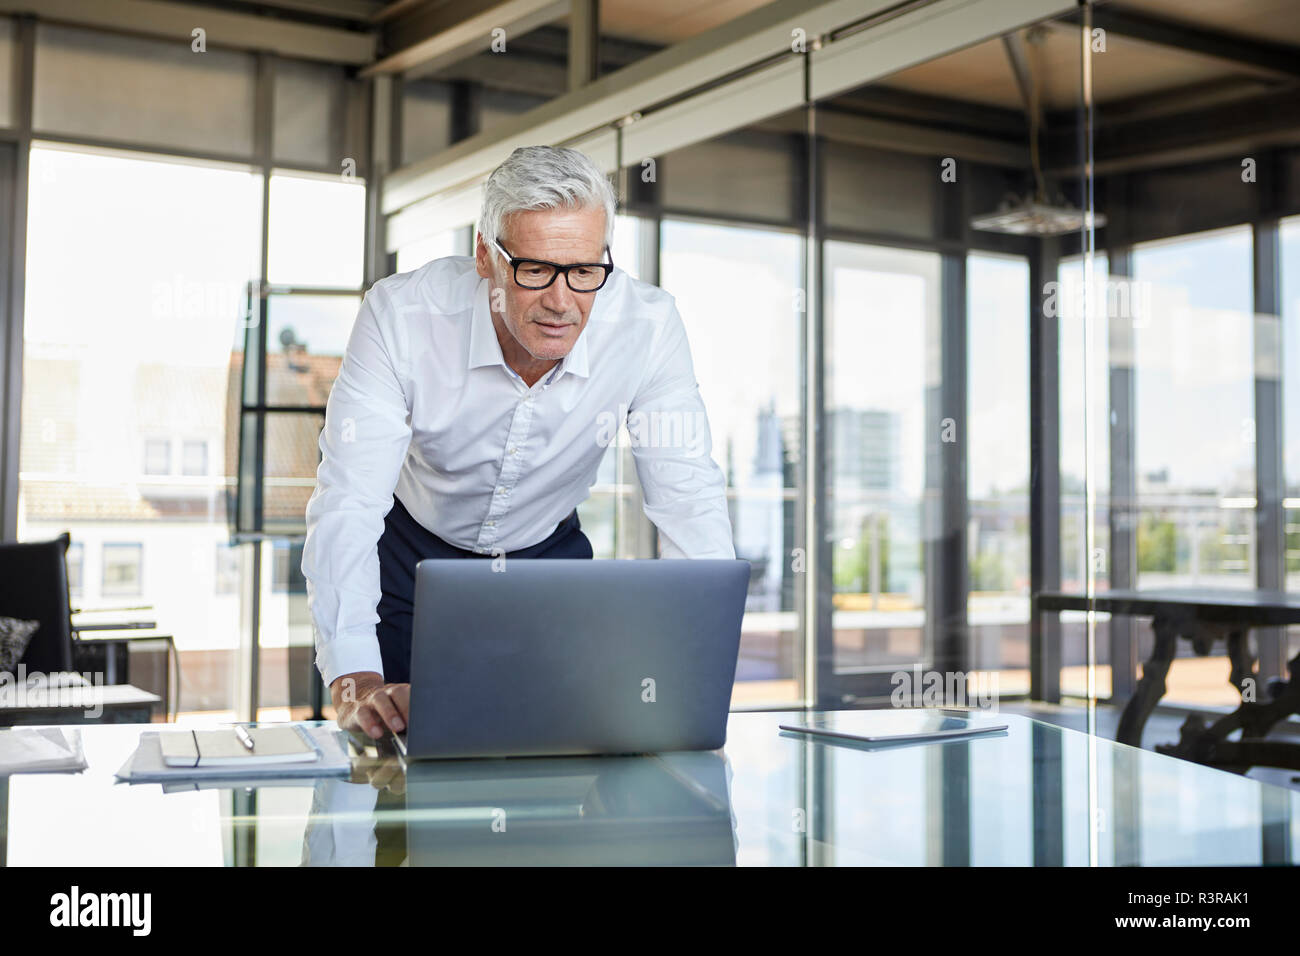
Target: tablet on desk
(883, 728)
(895, 738)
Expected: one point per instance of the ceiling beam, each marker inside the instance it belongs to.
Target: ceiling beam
(1229, 129)
(434, 35)
(396, 9)
(538, 64)
(1259, 55)
(240, 31)
(361, 11)
(888, 102)
(1182, 99)
(584, 42)
(900, 136)
(527, 74)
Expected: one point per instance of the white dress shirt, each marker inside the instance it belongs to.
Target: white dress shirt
(425, 407)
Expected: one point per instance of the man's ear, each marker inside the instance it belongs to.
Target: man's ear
(484, 267)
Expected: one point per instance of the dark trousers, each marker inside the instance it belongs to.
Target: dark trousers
(405, 542)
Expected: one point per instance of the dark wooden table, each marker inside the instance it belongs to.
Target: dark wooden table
(1205, 616)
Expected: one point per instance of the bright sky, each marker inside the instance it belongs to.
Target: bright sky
(883, 308)
(1194, 355)
(997, 345)
(135, 261)
(140, 261)
(735, 290)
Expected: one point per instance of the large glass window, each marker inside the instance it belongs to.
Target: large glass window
(1289, 248)
(1195, 457)
(452, 242)
(314, 239)
(137, 273)
(1085, 429)
(1084, 412)
(627, 249)
(882, 341)
(997, 467)
(314, 267)
(316, 233)
(736, 291)
(1194, 369)
(612, 516)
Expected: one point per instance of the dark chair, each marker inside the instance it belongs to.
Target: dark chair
(34, 587)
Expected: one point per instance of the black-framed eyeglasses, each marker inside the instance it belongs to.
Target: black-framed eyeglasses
(538, 274)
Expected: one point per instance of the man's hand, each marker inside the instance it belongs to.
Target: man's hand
(365, 703)
(386, 774)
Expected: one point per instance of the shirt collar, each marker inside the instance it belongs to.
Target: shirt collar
(484, 349)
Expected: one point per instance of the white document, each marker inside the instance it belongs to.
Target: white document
(40, 750)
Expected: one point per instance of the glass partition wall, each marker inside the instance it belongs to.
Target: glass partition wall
(1056, 270)
(1195, 178)
(862, 282)
(948, 190)
(1054, 352)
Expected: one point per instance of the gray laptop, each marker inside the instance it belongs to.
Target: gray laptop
(568, 657)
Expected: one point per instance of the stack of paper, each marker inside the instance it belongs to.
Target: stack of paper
(40, 750)
(147, 765)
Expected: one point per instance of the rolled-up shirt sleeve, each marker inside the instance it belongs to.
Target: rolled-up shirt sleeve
(363, 444)
(684, 489)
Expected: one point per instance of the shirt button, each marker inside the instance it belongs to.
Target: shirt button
(512, 449)
(501, 491)
(490, 524)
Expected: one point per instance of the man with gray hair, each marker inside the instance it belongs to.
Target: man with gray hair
(472, 409)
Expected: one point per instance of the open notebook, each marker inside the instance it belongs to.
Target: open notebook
(222, 748)
(146, 764)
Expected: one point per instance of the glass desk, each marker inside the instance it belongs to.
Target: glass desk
(1034, 794)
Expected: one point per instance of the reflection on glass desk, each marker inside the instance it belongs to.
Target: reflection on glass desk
(603, 811)
(1035, 794)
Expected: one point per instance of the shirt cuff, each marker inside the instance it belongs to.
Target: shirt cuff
(348, 654)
